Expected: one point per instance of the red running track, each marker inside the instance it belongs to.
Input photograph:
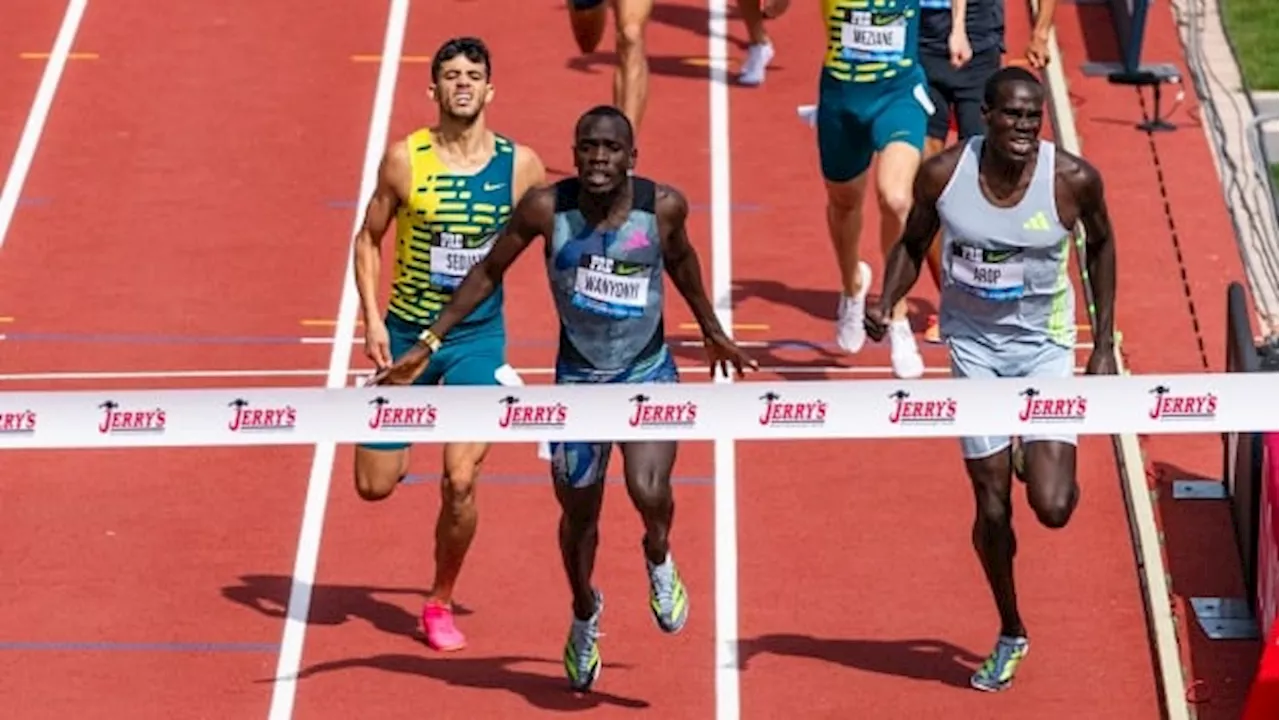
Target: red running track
(200, 212)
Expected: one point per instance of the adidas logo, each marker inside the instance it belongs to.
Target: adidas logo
(1039, 221)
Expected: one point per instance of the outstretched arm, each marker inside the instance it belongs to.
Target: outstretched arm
(531, 218)
(681, 261)
(532, 214)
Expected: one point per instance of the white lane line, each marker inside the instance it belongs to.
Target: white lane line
(726, 496)
(31, 132)
(284, 690)
(1144, 533)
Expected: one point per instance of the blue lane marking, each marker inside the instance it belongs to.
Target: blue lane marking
(539, 479)
(191, 647)
(733, 207)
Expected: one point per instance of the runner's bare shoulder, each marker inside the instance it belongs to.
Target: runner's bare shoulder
(669, 203)
(396, 170)
(537, 209)
(1076, 173)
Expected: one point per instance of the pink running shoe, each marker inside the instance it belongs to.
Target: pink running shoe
(437, 623)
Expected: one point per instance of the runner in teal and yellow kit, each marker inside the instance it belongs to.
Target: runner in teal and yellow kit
(450, 190)
(872, 99)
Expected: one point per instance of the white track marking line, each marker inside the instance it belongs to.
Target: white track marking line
(1145, 535)
(31, 132)
(284, 690)
(726, 497)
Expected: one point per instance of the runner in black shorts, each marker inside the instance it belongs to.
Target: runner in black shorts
(959, 91)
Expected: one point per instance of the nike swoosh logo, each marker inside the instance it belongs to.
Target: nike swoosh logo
(489, 187)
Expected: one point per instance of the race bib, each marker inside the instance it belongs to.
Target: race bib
(611, 287)
(868, 37)
(991, 274)
(451, 258)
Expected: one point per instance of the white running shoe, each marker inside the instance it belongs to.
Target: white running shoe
(753, 68)
(851, 331)
(904, 354)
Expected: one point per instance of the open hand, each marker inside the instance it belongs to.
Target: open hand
(722, 352)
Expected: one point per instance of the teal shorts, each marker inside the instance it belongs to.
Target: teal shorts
(468, 356)
(858, 120)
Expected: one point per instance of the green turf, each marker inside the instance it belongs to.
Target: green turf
(1252, 27)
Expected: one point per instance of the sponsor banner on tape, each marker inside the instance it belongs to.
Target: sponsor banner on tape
(1207, 403)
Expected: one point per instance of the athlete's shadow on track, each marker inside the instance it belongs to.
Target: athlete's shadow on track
(919, 659)
(332, 604)
(337, 604)
(488, 673)
(820, 304)
(824, 355)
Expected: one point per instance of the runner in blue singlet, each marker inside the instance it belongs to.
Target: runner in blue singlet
(610, 238)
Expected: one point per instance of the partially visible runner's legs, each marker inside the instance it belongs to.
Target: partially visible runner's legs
(378, 470)
(1052, 492)
(854, 122)
(587, 19)
(647, 467)
(578, 471)
(631, 81)
(759, 48)
(380, 467)
(895, 175)
(578, 474)
(630, 18)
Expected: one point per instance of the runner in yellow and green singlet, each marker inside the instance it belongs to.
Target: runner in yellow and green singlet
(872, 99)
(449, 190)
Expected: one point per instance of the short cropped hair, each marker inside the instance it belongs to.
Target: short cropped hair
(1006, 76)
(608, 111)
(472, 48)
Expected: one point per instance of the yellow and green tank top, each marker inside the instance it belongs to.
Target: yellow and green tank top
(870, 40)
(448, 224)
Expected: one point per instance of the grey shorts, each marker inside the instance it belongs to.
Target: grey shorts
(970, 359)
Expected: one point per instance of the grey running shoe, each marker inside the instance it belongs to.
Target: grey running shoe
(668, 600)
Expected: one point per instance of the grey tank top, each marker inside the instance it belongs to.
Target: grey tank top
(1005, 270)
(607, 283)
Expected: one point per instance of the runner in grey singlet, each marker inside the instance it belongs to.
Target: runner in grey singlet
(1005, 270)
(608, 288)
